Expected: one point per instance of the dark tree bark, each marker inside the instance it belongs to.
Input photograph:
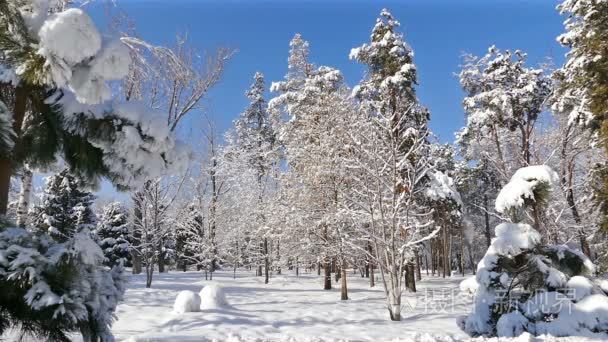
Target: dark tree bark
(266, 262)
(418, 273)
(410, 277)
(6, 164)
(327, 275)
(488, 230)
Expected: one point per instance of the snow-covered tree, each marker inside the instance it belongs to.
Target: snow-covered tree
(113, 229)
(315, 109)
(52, 289)
(57, 67)
(504, 100)
(65, 209)
(581, 93)
(525, 285)
(446, 202)
(254, 143)
(389, 158)
(174, 80)
(189, 230)
(152, 236)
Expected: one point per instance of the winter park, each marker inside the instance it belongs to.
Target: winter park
(206, 170)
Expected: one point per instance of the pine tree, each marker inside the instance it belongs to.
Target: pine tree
(255, 142)
(113, 233)
(189, 237)
(57, 96)
(390, 156)
(504, 100)
(582, 92)
(65, 209)
(521, 280)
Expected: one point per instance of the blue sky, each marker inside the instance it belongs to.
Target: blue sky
(439, 31)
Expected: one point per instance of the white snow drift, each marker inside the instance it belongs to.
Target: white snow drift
(213, 297)
(186, 301)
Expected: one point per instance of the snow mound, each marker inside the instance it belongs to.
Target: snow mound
(70, 35)
(512, 238)
(512, 324)
(581, 287)
(592, 312)
(213, 297)
(186, 301)
(545, 303)
(522, 185)
(469, 286)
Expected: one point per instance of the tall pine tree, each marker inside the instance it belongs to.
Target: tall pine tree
(65, 209)
(582, 93)
(113, 233)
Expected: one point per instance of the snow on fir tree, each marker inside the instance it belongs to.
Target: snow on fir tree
(113, 233)
(59, 288)
(57, 61)
(65, 209)
(524, 285)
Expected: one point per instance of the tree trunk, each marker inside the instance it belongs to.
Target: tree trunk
(136, 233)
(394, 301)
(88, 334)
(418, 262)
(161, 260)
(24, 196)
(327, 275)
(446, 260)
(278, 259)
(149, 273)
(488, 230)
(412, 273)
(6, 164)
(433, 252)
(337, 270)
(266, 262)
(581, 232)
(343, 288)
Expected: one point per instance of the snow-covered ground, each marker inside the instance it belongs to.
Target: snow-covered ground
(290, 308)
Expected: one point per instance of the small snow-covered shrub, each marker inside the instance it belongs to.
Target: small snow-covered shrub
(187, 301)
(524, 285)
(213, 297)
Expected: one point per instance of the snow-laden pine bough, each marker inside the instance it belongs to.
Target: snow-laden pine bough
(57, 67)
(50, 290)
(525, 285)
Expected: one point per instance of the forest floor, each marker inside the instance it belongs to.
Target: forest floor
(292, 308)
(287, 307)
